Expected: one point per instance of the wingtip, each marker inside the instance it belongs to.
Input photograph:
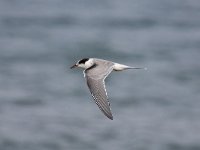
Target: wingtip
(110, 117)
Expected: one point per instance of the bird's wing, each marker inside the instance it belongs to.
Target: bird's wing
(97, 88)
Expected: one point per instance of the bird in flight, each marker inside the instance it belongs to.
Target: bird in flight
(96, 70)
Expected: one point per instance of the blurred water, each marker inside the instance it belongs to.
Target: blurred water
(45, 105)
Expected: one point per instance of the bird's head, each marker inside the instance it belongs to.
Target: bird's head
(84, 63)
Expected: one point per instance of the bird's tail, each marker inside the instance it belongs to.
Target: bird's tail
(137, 68)
(120, 67)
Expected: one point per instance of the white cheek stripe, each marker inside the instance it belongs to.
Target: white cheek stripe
(89, 63)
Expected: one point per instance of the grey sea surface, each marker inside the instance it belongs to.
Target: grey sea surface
(44, 105)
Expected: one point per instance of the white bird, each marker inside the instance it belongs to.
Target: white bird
(96, 70)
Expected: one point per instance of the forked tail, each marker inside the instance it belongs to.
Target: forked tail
(120, 67)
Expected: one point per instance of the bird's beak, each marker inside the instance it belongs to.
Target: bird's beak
(73, 66)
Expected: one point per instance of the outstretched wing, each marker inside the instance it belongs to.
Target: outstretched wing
(98, 91)
(96, 84)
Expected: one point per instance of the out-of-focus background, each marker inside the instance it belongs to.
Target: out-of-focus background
(46, 106)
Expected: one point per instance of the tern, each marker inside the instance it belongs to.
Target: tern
(95, 72)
